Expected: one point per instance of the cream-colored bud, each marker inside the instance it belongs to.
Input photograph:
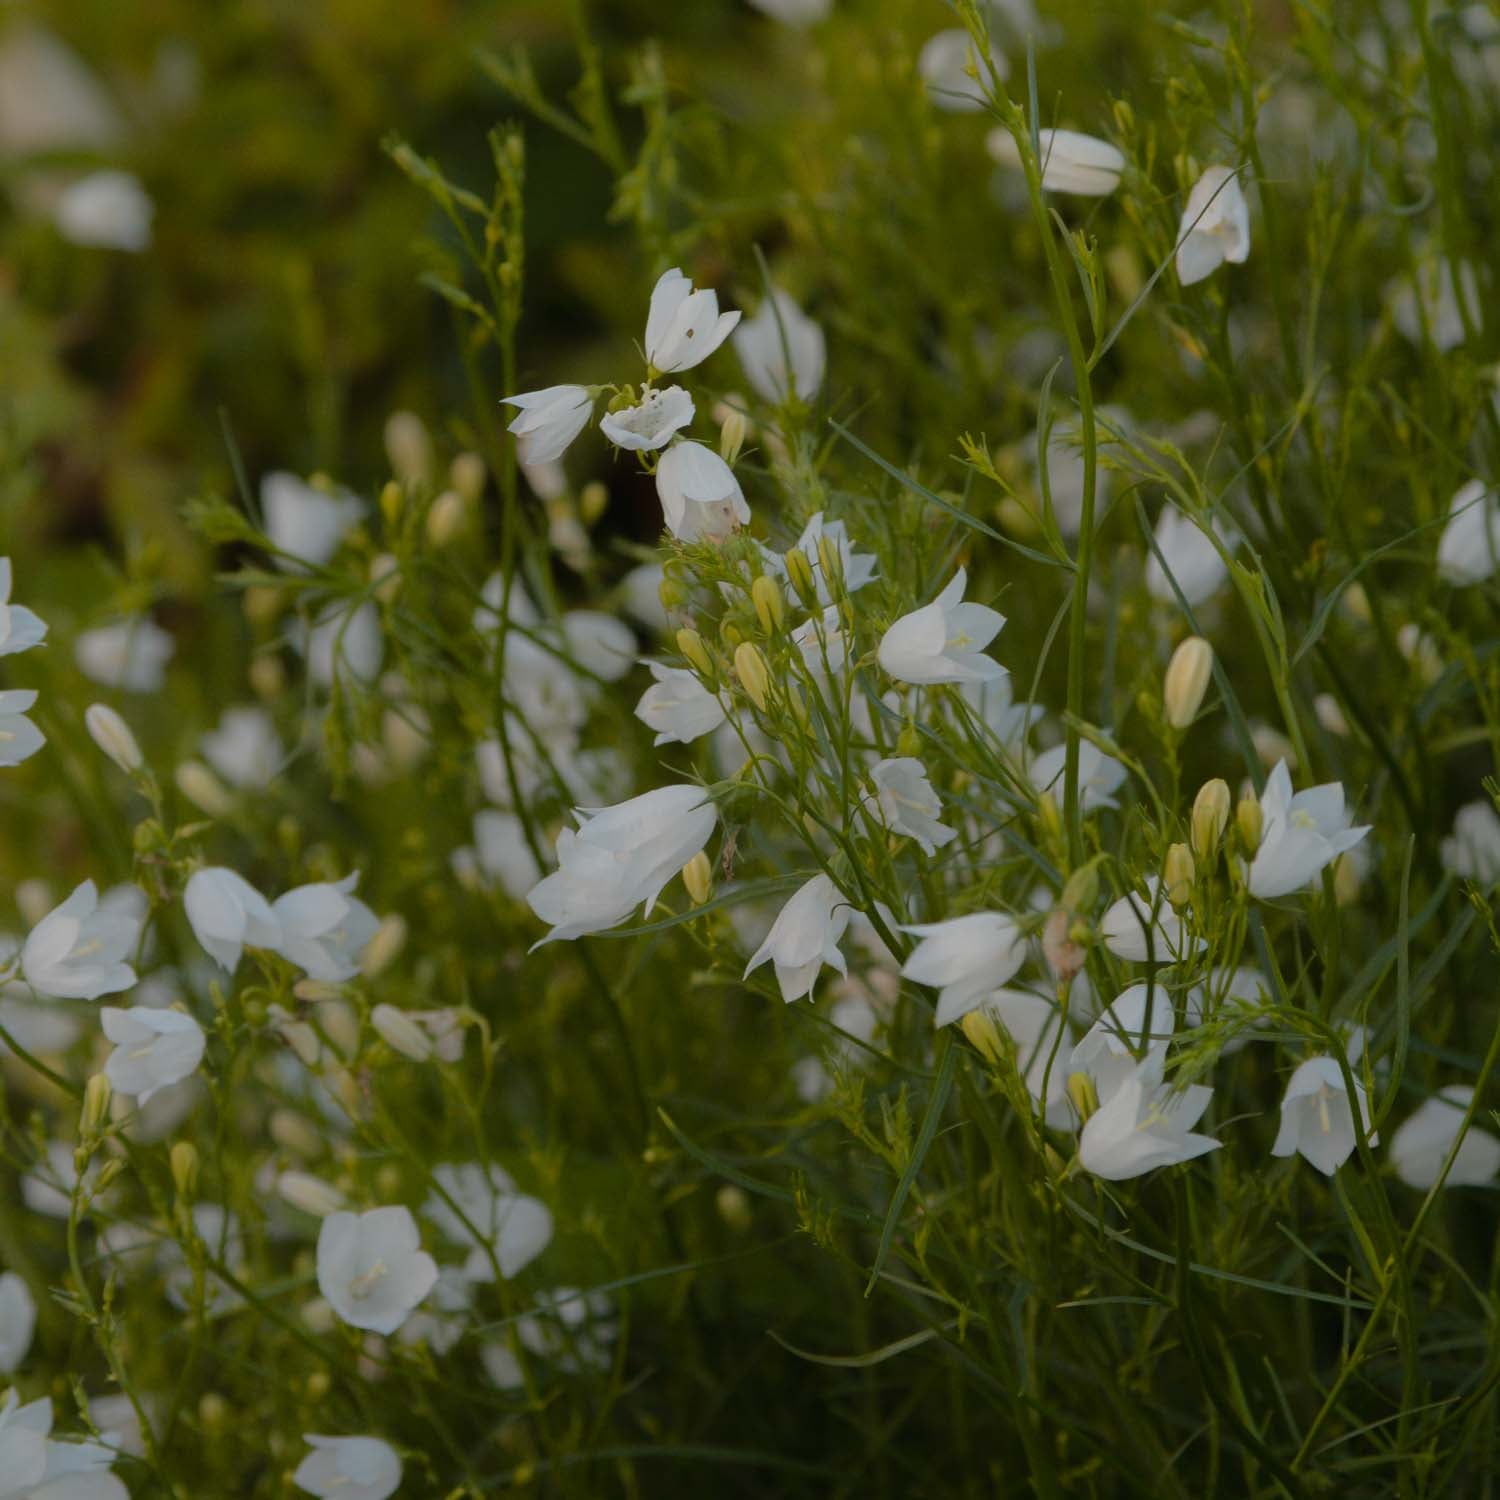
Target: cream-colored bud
(732, 435)
(213, 1412)
(1178, 875)
(34, 899)
(184, 1162)
(407, 732)
(690, 644)
(466, 474)
(983, 1034)
(318, 1315)
(310, 991)
(1346, 878)
(267, 676)
(340, 1024)
(593, 501)
(96, 1097)
(1187, 679)
(1248, 818)
(1064, 954)
(399, 1032)
(1082, 889)
(1210, 818)
(750, 668)
(203, 789)
(1355, 603)
(769, 602)
(698, 878)
(1049, 816)
(447, 519)
(309, 1194)
(1330, 714)
(831, 561)
(1084, 1094)
(304, 1041)
(392, 501)
(112, 735)
(1272, 745)
(317, 1385)
(408, 447)
(262, 605)
(799, 574)
(385, 947)
(733, 1204)
(385, 576)
(295, 1133)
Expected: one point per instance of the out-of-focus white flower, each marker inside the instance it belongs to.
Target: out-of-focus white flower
(305, 522)
(50, 100)
(1435, 301)
(1145, 1125)
(345, 643)
(20, 629)
(1300, 834)
(107, 210)
(549, 420)
(17, 1321)
(36, 1466)
(77, 951)
(19, 737)
(153, 1048)
(1469, 548)
(678, 707)
(966, 959)
(822, 642)
(1422, 1142)
(782, 350)
(651, 423)
(1008, 721)
(1191, 558)
(503, 853)
(309, 1194)
(804, 937)
(1100, 776)
(372, 1269)
(570, 1329)
(701, 500)
(903, 801)
(244, 749)
(324, 928)
(1215, 226)
(683, 326)
(640, 594)
(944, 66)
(224, 1242)
(130, 654)
(479, 1206)
(1071, 161)
(1139, 928)
(1111, 1047)
(943, 641)
(600, 643)
(1065, 467)
(48, 1187)
(226, 913)
(1317, 1118)
(794, 12)
(858, 568)
(1473, 851)
(348, 1468)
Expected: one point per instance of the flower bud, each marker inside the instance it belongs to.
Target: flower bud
(1049, 817)
(385, 947)
(831, 561)
(408, 447)
(1064, 954)
(262, 605)
(698, 878)
(447, 518)
(733, 1204)
(466, 474)
(1248, 819)
(294, 1132)
(34, 899)
(96, 1096)
(339, 1024)
(750, 668)
(385, 577)
(732, 435)
(672, 591)
(1187, 680)
(391, 500)
(593, 501)
(1082, 889)
(690, 644)
(1346, 878)
(213, 1412)
(770, 605)
(1210, 815)
(202, 788)
(1178, 875)
(909, 741)
(401, 1033)
(983, 1034)
(800, 575)
(1084, 1095)
(112, 735)
(267, 677)
(184, 1159)
(309, 1194)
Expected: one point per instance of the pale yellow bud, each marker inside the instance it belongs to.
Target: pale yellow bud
(340, 1025)
(466, 474)
(690, 644)
(385, 947)
(750, 668)
(733, 1204)
(295, 1133)
(408, 447)
(399, 1032)
(831, 561)
(385, 577)
(317, 1385)
(1082, 889)
(213, 1411)
(1355, 603)
(318, 1315)
(447, 519)
(1049, 816)
(1178, 875)
(1084, 1095)
(800, 575)
(698, 878)
(732, 435)
(267, 676)
(262, 605)
(770, 604)
(392, 499)
(1187, 679)
(203, 789)
(1346, 879)
(112, 735)
(96, 1097)
(1330, 714)
(1248, 818)
(593, 501)
(983, 1034)
(1210, 817)
(34, 899)
(184, 1161)
(309, 1194)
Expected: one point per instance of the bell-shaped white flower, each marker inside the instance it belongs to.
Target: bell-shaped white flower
(477, 1206)
(943, 641)
(304, 523)
(602, 644)
(1469, 548)
(701, 500)
(1100, 776)
(372, 1269)
(965, 958)
(244, 749)
(154, 1048)
(684, 326)
(782, 350)
(19, 737)
(619, 857)
(1422, 1142)
(549, 420)
(944, 64)
(858, 568)
(78, 950)
(1146, 1124)
(20, 629)
(1317, 1119)
(1140, 1018)
(1139, 928)
(107, 210)
(1071, 161)
(37, 1466)
(17, 1321)
(652, 422)
(1215, 226)
(130, 654)
(226, 913)
(804, 937)
(1300, 835)
(902, 801)
(678, 707)
(324, 928)
(1191, 557)
(1473, 850)
(348, 1468)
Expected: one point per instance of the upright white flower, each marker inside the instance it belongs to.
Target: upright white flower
(1141, 927)
(1317, 1118)
(944, 66)
(17, 1321)
(1422, 1142)
(619, 857)
(20, 629)
(858, 568)
(804, 937)
(245, 749)
(1100, 776)
(683, 326)
(1141, 1017)
(549, 420)
(476, 1206)
(154, 1048)
(1300, 835)
(701, 500)
(943, 641)
(130, 654)
(1191, 558)
(1469, 548)
(107, 210)
(1145, 1125)
(1215, 226)
(781, 349)
(348, 1468)
(1473, 851)
(77, 951)
(304, 522)
(227, 913)
(794, 12)
(324, 928)
(372, 1269)
(19, 737)
(903, 801)
(678, 707)
(1071, 161)
(652, 422)
(966, 959)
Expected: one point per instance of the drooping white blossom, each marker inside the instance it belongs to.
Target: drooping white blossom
(244, 749)
(130, 654)
(1469, 548)
(1141, 927)
(20, 739)
(946, 64)
(1422, 1141)
(1300, 835)
(943, 641)
(1317, 1118)
(17, 1321)
(306, 523)
(903, 801)
(1215, 226)
(1100, 776)
(677, 706)
(600, 643)
(227, 914)
(372, 1269)
(1472, 852)
(154, 1048)
(1146, 1124)
(1071, 162)
(701, 500)
(78, 950)
(781, 349)
(684, 326)
(804, 937)
(503, 852)
(549, 420)
(324, 927)
(1191, 558)
(348, 1468)
(20, 628)
(36, 1466)
(965, 958)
